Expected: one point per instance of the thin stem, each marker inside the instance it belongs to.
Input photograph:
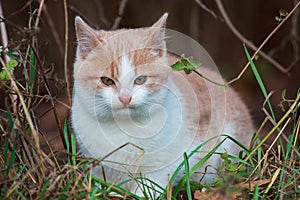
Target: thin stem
(121, 10)
(66, 52)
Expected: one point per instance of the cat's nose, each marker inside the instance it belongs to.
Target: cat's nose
(125, 100)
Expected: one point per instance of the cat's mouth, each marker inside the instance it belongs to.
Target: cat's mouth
(126, 107)
(124, 111)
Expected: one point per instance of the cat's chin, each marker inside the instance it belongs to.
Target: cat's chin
(131, 111)
(124, 111)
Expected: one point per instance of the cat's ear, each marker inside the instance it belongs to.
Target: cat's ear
(161, 23)
(87, 39)
(158, 35)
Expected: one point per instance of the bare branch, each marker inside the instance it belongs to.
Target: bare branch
(3, 33)
(101, 13)
(248, 43)
(204, 7)
(244, 40)
(121, 10)
(66, 52)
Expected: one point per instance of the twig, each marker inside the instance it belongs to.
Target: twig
(42, 2)
(118, 19)
(4, 37)
(248, 43)
(209, 80)
(244, 40)
(28, 3)
(101, 14)
(66, 52)
(205, 8)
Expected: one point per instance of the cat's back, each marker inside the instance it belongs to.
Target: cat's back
(221, 109)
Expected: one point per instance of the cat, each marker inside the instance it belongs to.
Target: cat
(138, 115)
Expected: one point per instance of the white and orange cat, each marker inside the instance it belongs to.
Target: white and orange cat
(125, 92)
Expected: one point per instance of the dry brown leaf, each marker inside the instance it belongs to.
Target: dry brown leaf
(215, 194)
(252, 184)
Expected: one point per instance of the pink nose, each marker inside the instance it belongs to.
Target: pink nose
(125, 100)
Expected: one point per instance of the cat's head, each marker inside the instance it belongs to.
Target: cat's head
(123, 70)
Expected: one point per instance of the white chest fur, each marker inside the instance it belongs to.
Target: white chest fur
(163, 134)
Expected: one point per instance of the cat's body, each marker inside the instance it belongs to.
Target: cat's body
(126, 92)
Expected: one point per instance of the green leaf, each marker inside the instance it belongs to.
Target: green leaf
(12, 64)
(278, 19)
(283, 13)
(178, 66)
(217, 182)
(283, 93)
(186, 64)
(4, 76)
(12, 54)
(224, 156)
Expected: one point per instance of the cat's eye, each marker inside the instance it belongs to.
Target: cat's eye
(107, 81)
(140, 80)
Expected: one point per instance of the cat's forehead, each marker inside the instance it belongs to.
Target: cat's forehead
(123, 35)
(131, 63)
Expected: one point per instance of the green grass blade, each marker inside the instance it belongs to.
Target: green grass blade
(5, 152)
(255, 193)
(259, 80)
(280, 181)
(10, 119)
(206, 157)
(259, 155)
(66, 136)
(151, 187)
(20, 195)
(73, 143)
(93, 193)
(2, 191)
(187, 175)
(64, 192)
(203, 160)
(115, 188)
(44, 188)
(175, 174)
(196, 167)
(11, 159)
